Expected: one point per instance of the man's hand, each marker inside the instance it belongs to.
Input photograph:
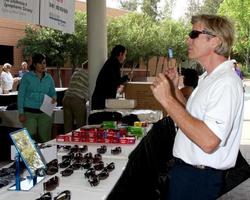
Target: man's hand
(161, 88)
(22, 118)
(172, 74)
(120, 89)
(53, 100)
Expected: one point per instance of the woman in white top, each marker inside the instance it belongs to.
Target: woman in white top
(6, 79)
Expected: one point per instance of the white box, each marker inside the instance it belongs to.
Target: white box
(120, 103)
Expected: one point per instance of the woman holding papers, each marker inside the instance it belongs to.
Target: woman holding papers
(34, 86)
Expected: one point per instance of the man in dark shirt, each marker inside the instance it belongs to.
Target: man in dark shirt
(109, 78)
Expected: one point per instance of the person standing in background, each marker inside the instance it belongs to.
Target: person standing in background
(109, 79)
(23, 69)
(190, 81)
(7, 79)
(237, 69)
(74, 100)
(34, 85)
(210, 122)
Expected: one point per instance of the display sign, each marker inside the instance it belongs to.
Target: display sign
(58, 14)
(28, 151)
(24, 10)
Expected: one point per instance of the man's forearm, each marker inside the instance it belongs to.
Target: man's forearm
(195, 129)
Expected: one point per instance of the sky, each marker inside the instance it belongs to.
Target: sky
(179, 10)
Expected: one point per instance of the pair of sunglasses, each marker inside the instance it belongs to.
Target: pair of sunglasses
(68, 171)
(116, 150)
(65, 195)
(51, 184)
(52, 167)
(194, 33)
(102, 149)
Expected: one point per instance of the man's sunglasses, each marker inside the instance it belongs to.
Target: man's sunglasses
(194, 33)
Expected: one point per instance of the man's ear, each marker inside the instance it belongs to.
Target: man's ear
(216, 42)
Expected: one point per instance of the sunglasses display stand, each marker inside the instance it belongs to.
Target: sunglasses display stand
(31, 157)
(26, 184)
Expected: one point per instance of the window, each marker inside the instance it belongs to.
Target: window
(6, 54)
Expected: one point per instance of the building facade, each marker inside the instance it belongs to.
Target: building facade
(11, 31)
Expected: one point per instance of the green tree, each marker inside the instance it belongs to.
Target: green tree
(173, 34)
(194, 7)
(59, 47)
(150, 7)
(131, 5)
(135, 31)
(231, 8)
(168, 8)
(211, 6)
(145, 38)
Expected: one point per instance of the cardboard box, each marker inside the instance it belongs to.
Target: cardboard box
(141, 92)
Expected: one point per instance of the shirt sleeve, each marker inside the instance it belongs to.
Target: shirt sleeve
(221, 109)
(21, 94)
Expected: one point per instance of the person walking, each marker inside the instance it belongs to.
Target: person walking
(34, 85)
(210, 122)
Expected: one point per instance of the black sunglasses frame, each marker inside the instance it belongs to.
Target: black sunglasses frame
(195, 33)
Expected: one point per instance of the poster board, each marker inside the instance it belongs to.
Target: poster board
(27, 150)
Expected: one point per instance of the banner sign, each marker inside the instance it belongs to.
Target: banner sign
(58, 14)
(24, 10)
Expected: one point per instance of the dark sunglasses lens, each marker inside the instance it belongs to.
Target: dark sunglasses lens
(194, 34)
(65, 195)
(45, 196)
(67, 172)
(51, 184)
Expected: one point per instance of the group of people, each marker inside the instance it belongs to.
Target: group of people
(209, 114)
(7, 81)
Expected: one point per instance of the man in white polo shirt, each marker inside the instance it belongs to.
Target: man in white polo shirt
(210, 123)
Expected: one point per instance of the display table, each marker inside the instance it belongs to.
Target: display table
(11, 98)
(9, 122)
(77, 183)
(9, 118)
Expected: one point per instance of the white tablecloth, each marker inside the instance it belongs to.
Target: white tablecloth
(77, 183)
(9, 118)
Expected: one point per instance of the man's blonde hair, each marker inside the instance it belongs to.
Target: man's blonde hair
(219, 26)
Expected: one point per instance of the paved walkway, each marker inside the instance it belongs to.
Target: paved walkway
(242, 192)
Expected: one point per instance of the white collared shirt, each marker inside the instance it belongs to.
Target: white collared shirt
(218, 101)
(6, 80)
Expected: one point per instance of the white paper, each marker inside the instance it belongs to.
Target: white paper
(47, 107)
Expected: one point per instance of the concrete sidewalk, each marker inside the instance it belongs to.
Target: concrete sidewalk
(242, 192)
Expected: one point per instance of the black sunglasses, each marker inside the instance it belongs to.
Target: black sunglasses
(194, 33)
(65, 195)
(51, 184)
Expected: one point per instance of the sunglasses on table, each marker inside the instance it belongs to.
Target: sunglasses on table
(51, 184)
(65, 195)
(194, 33)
